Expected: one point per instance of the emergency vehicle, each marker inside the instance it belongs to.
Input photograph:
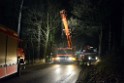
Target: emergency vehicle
(10, 62)
(65, 54)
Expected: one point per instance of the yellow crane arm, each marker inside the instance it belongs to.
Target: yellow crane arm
(65, 23)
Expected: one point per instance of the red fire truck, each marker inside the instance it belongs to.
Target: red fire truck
(10, 62)
(64, 55)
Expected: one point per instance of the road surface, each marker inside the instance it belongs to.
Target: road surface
(54, 73)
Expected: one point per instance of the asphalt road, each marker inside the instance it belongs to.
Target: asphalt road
(50, 73)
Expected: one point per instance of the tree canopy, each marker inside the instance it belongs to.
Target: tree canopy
(94, 22)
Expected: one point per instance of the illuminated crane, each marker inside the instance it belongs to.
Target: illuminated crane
(65, 23)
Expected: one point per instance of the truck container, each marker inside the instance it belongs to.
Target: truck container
(9, 61)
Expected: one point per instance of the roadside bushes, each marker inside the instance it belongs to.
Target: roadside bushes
(109, 70)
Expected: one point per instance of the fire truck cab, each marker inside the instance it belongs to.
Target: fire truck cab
(63, 55)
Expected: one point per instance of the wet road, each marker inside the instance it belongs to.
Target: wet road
(55, 73)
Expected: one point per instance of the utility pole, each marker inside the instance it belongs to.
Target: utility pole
(19, 19)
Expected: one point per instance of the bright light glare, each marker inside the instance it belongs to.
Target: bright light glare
(70, 66)
(96, 58)
(70, 69)
(89, 57)
(58, 70)
(72, 58)
(57, 58)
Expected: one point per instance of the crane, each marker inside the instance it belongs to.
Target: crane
(67, 31)
(65, 54)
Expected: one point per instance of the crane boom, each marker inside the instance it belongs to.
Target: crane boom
(65, 23)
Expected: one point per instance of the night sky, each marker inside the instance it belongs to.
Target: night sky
(9, 13)
(9, 10)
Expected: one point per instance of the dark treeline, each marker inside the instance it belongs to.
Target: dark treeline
(97, 20)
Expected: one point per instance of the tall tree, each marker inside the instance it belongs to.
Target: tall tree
(42, 22)
(84, 29)
(94, 13)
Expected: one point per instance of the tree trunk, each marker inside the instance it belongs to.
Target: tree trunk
(109, 40)
(47, 38)
(32, 51)
(116, 22)
(100, 42)
(39, 42)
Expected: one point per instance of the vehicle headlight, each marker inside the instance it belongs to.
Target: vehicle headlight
(74, 59)
(89, 58)
(96, 58)
(57, 58)
(71, 58)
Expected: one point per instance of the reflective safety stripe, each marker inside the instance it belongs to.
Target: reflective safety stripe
(11, 69)
(2, 72)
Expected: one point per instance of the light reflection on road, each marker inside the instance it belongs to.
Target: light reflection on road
(66, 73)
(57, 73)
